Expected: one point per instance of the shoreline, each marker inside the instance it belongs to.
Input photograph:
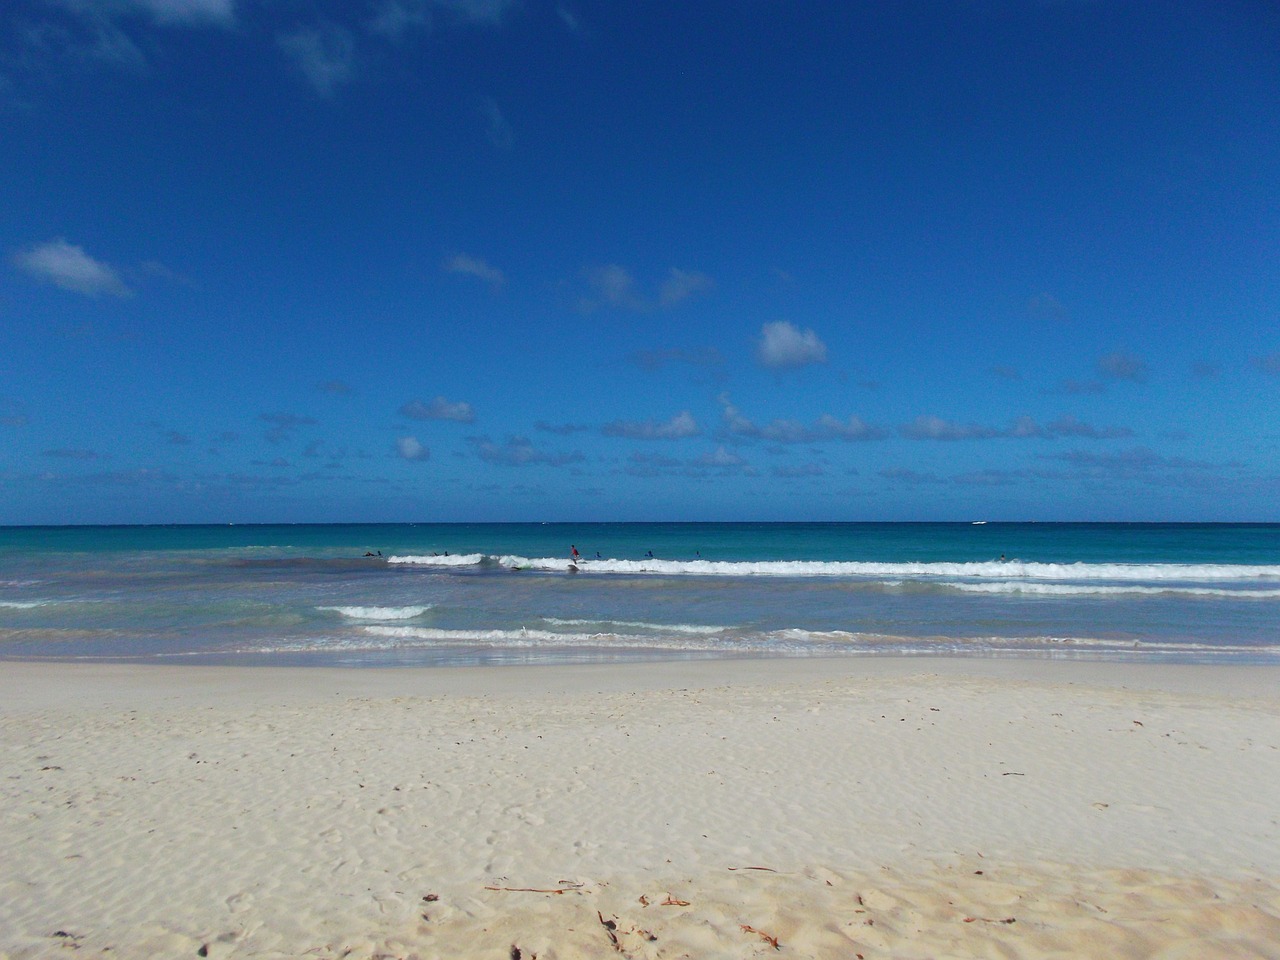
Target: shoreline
(277, 811)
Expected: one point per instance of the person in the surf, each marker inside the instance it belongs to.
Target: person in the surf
(573, 552)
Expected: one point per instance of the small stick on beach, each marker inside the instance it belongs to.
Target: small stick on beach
(772, 941)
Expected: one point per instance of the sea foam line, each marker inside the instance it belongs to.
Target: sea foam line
(635, 625)
(1083, 590)
(786, 642)
(997, 569)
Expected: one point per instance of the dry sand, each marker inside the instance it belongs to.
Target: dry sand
(842, 808)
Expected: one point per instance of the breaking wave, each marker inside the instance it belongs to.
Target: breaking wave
(989, 569)
(380, 613)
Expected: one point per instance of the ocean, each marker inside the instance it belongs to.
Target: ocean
(450, 594)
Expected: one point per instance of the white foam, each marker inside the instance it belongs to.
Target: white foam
(380, 613)
(1001, 569)
(1099, 589)
(636, 625)
(25, 604)
(453, 560)
(788, 642)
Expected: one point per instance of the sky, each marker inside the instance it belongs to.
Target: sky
(500, 260)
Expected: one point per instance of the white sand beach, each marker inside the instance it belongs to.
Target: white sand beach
(904, 808)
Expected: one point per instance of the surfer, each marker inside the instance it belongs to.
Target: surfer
(573, 552)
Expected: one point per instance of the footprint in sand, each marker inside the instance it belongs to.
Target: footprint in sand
(239, 902)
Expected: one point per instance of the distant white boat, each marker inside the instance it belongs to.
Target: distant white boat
(978, 523)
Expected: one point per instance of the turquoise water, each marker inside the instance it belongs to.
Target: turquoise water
(499, 593)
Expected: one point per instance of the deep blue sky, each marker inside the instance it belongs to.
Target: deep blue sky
(276, 260)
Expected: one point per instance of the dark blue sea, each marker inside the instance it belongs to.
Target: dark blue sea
(442, 594)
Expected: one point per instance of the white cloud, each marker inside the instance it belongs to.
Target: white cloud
(474, 266)
(439, 409)
(783, 345)
(498, 130)
(325, 54)
(681, 285)
(410, 449)
(678, 427)
(68, 266)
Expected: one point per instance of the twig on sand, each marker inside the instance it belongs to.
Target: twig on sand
(991, 919)
(772, 941)
(572, 889)
(611, 929)
(673, 902)
(765, 869)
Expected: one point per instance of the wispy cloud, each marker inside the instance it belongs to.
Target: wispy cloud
(497, 128)
(569, 18)
(719, 462)
(439, 409)
(783, 345)
(67, 266)
(13, 413)
(561, 429)
(324, 54)
(721, 459)
(395, 19)
(188, 12)
(518, 451)
(680, 426)
(905, 475)
(611, 286)
(1044, 306)
(475, 267)
(283, 425)
(929, 427)
(1122, 366)
(1269, 364)
(477, 11)
(680, 285)
(338, 388)
(1135, 460)
(799, 471)
(826, 427)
